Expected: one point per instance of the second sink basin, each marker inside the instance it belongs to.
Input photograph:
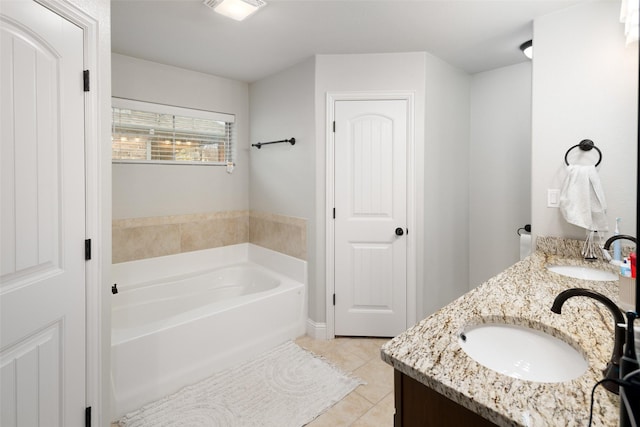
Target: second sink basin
(584, 273)
(521, 352)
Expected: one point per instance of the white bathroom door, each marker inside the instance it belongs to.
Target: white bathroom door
(42, 218)
(370, 217)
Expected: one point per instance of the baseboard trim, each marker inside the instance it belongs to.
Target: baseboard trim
(316, 330)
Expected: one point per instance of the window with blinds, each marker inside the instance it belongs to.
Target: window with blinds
(143, 132)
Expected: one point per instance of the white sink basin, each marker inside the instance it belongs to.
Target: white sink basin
(521, 352)
(584, 273)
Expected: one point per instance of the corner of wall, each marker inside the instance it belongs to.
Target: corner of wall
(280, 233)
(446, 184)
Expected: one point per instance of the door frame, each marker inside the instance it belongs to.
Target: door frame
(331, 98)
(96, 338)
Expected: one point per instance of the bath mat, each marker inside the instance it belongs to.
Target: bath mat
(287, 386)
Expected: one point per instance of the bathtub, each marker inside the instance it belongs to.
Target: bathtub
(178, 319)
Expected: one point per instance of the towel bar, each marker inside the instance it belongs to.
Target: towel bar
(291, 141)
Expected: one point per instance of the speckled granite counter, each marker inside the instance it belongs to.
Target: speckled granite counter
(429, 352)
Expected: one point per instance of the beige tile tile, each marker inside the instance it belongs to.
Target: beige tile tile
(288, 238)
(243, 229)
(344, 412)
(346, 361)
(278, 218)
(177, 219)
(365, 348)
(307, 342)
(348, 353)
(145, 242)
(139, 238)
(319, 347)
(380, 415)
(322, 347)
(211, 233)
(379, 378)
(258, 230)
(345, 353)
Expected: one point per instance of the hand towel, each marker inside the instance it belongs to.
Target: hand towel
(582, 201)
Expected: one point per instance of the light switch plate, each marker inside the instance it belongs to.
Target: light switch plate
(553, 198)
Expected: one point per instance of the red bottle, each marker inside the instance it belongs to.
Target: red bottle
(632, 261)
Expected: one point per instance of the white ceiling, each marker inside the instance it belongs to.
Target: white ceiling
(473, 35)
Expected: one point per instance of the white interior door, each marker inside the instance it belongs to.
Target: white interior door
(370, 217)
(42, 280)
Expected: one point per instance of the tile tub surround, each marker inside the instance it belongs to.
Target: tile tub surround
(142, 238)
(279, 233)
(429, 352)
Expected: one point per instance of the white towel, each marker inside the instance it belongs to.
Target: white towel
(582, 200)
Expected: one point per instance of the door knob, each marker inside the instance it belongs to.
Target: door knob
(399, 231)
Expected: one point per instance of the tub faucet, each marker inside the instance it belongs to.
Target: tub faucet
(612, 370)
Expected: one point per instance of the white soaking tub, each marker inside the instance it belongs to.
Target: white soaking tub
(178, 319)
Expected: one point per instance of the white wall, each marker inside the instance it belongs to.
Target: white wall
(443, 268)
(441, 132)
(282, 176)
(353, 73)
(499, 168)
(158, 190)
(585, 85)
(291, 180)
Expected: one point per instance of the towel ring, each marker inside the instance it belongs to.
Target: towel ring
(526, 228)
(584, 145)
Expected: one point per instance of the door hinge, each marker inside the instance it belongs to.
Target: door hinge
(334, 213)
(334, 299)
(85, 79)
(87, 417)
(334, 126)
(87, 249)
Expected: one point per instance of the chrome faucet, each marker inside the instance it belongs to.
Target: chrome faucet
(612, 370)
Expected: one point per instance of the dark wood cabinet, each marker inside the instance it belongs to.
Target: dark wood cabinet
(419, 406)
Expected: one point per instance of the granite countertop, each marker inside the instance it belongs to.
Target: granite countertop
(429, 352)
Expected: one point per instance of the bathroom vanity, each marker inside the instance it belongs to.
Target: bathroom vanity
(437, 383)
(419, 405)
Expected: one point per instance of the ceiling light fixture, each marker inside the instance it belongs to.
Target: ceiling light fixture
(527, 49)
(235, 9)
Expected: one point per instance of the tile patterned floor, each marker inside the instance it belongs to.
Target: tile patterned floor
(369, 405)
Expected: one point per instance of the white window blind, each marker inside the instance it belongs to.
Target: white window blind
(143, 132)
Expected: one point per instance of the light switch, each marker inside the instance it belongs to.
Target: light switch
(553, 198)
